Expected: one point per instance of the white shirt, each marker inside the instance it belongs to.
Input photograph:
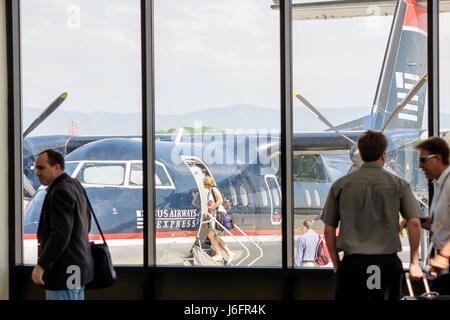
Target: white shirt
(440, 210)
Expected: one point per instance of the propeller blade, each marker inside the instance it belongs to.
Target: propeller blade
(406, 99)
(315, 112)
(44, 114)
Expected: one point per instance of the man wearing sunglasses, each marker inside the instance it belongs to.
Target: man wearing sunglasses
(434, 161)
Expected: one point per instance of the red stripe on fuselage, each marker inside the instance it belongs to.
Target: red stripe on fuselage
(175, 234)
(416, 15)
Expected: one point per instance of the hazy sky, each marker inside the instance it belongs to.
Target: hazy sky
(208, 53)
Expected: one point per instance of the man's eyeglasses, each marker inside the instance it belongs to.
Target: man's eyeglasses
(425, 159)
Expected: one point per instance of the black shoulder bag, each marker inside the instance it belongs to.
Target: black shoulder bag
(104, 273)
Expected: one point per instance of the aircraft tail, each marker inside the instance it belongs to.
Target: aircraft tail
(404, 63)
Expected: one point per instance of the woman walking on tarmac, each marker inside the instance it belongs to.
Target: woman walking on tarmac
(215, 204)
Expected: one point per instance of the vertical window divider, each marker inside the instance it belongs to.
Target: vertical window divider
(433, 67)
(433, 75)
(286, 143)
(148, 132)
(14, 143)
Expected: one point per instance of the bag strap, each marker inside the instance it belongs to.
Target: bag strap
(93, 214)
(220, 192)
(212, 191)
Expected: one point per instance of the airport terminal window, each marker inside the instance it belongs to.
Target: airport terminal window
(175, 51)
(213, 54)
(95, 89)
(341, 46)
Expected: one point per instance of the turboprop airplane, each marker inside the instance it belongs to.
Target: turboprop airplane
(245, 167)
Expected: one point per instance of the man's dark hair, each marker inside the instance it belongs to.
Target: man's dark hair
(436, 145)
(54, 158)
(371, 145)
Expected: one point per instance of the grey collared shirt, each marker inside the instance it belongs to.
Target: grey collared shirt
(366, 204)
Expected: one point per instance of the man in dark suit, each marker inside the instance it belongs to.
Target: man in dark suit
(65, 262)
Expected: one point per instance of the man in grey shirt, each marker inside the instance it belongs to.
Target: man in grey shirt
(365, 205)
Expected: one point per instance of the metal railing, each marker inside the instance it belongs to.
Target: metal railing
(213, 219)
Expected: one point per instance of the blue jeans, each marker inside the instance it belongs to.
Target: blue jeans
(70, 294)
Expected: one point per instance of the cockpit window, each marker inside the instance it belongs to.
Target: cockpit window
(102, 173)
(309, 168)
(70, 167)
(136, 175)
(162, 178)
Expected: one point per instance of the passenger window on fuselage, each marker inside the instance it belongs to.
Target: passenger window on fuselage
(243, 196)
(309, 168)
(233, 195)
(102, 173)
(264, 199)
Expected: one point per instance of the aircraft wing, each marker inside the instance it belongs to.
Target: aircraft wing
(347, 9)
(323, 141)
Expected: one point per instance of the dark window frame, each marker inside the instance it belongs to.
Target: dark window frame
(149, 268)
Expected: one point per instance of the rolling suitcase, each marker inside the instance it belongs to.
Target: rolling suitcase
(427, 295)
